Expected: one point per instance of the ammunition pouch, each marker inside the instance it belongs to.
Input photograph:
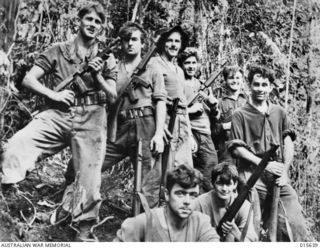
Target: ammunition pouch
(92, 98)
(136, 113)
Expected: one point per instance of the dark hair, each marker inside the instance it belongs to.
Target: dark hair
(188, 52)
(230, 70)
(226, 172)
(264, 72)
(184, 176)
(127, 29)
(92, 7)
(164, 36)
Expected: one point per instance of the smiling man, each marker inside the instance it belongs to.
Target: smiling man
(205, 158)
(255, 127)
(232, 98)
(169, 45)
(177, 222)
(71, 118)
(215, 203)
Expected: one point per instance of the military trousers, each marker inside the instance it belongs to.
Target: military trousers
(84, 129)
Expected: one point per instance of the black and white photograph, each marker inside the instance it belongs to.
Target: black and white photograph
(159, 121)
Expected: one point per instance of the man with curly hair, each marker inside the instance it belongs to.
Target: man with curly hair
(255, 127)
(176, 222)
(71, 118)
(205, 157)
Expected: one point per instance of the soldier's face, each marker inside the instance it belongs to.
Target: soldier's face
(260, 88)
(133, 44)
(90, 25)
(172, 45)
(180, 200)
(224, 190)
(234, 81)
(190, 66)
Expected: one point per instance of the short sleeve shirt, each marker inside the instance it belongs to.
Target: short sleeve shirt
(174, 80)
(200, 122)
(259, 130)
(147, 96)
(61, 61)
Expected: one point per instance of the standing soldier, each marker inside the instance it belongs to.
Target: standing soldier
(169, 45)
(205, 158)
(255, 127)
(231, 100)
(72, 118)
(144, 119)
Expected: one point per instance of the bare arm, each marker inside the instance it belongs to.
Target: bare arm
(243, 153)
(31, 81)
(288, 155)
(157, 143)
(109, 85)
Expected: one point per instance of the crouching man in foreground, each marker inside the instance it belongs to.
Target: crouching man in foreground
(176, 222)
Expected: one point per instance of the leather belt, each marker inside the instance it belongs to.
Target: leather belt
(180, 110)
(95, 98)
(136, 112)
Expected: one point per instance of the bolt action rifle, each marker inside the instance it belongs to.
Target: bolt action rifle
(201, 95)
(129, 90)
(139, 199)
(75, 82)
(166, 151)
(236, 205)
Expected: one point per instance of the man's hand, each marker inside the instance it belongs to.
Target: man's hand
(65, 96)
(194, 145)
(275, 168)
(231, 227)
(212, 102)
(157, 145)
(96, 64)
(226, 126)
(227, 227)
(4, 64)
(283, 179)
(195, 108)
(166, 135)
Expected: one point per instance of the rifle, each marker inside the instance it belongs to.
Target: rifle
(139, 199)
(129, 90)
(236, 205)
(136, 79)
(137, 181)
(74, 81)
(200, 96)
(166, 151)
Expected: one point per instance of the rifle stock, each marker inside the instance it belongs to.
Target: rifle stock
(200, 96)
(135, 77)
(137, 181)
(274, 214)
(166, 152)
(74, 81)
(236, 205)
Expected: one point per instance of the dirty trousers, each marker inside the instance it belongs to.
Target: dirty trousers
(205, 158)
(180, 150)
(128, 133)
(83, 128)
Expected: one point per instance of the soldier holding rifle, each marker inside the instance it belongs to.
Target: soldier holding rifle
(72, 118)
(170, 43)
(255, 127)
(215, 203)
(205, 158)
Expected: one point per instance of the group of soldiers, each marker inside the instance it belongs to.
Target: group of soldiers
(214, 144)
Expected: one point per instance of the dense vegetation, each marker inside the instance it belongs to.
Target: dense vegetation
(283, 34)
